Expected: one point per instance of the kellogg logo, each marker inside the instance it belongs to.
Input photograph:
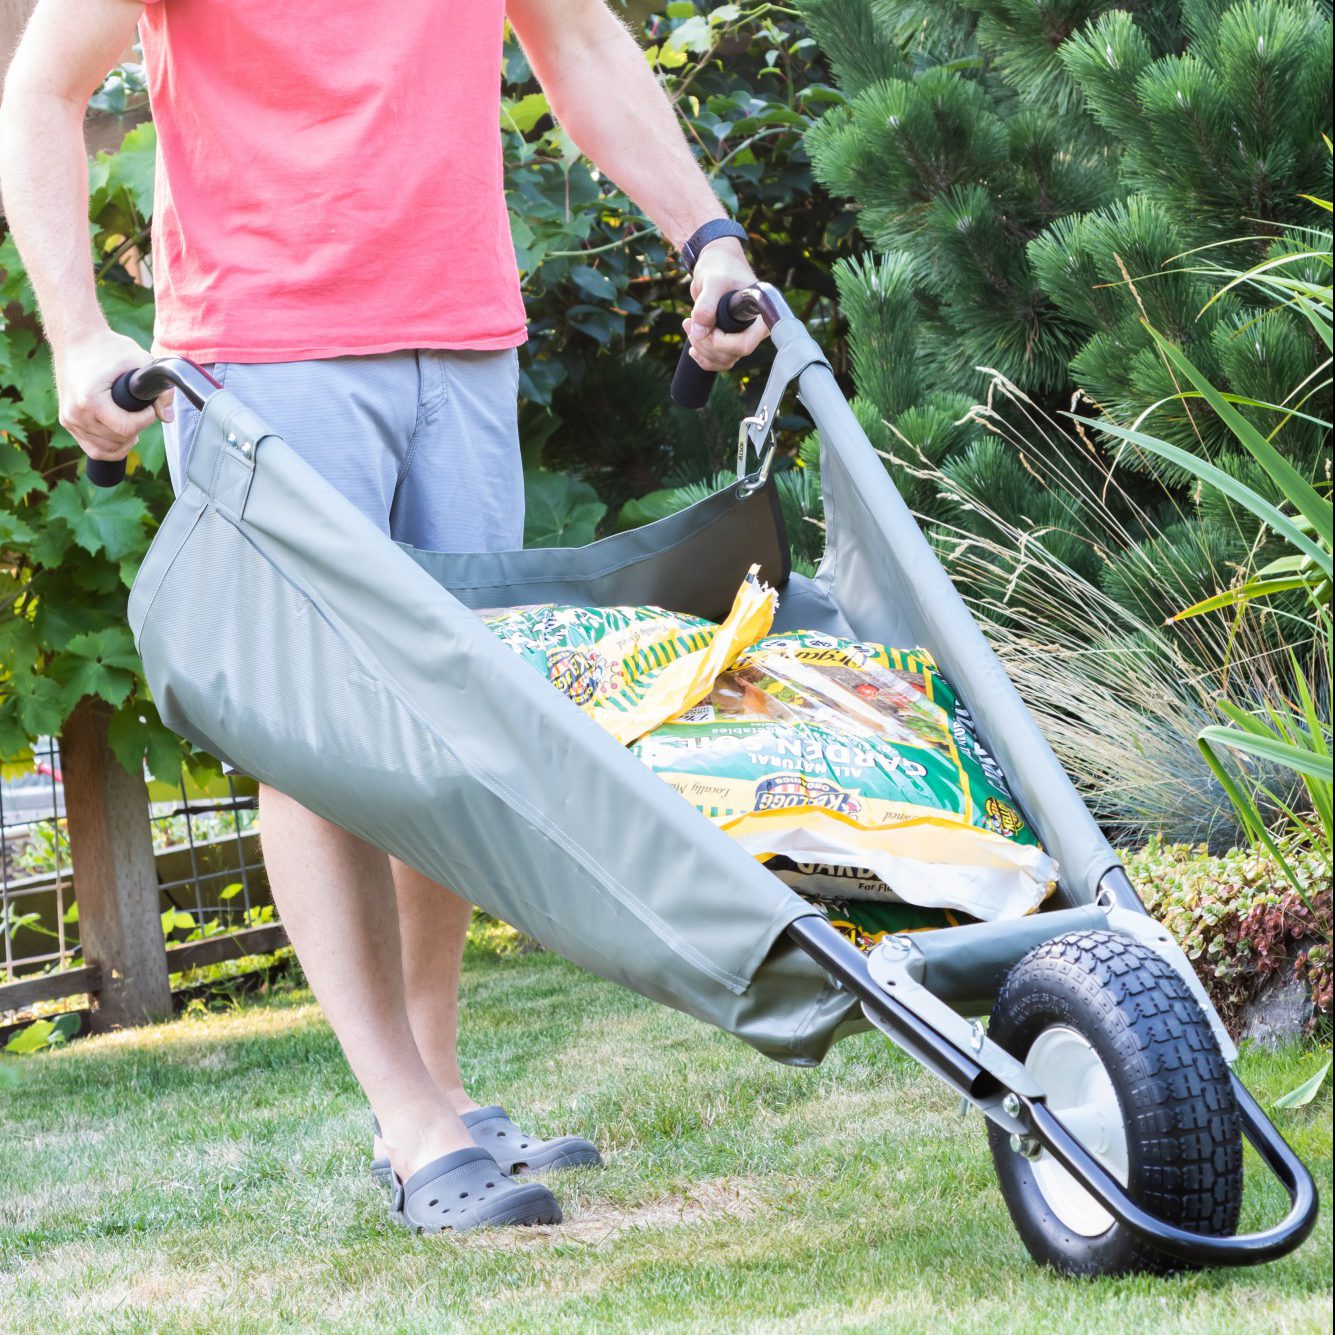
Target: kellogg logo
(1002, 817)
(781, 792)
(576, 673)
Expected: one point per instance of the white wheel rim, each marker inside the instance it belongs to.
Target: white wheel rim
(1081, 1096)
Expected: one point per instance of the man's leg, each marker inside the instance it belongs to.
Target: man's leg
(336, 898)
(433, 926)
(356, 420)
(463, 491)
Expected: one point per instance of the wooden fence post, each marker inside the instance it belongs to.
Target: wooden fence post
(115, 876)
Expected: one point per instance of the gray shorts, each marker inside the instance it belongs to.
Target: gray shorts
(425, 444)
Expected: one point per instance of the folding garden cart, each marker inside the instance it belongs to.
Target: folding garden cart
(284, 634)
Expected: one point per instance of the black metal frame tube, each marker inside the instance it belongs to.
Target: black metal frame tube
(848, 966)
(1198, 1248)
(178, 373)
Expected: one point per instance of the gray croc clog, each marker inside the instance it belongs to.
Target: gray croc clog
(467, 1190)
(518, 1152)
(514, 1151)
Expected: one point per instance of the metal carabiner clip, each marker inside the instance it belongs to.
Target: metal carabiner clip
(749, 483)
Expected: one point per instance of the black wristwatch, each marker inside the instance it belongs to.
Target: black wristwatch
(714, 230)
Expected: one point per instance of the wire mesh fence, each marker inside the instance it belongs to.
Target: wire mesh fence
(210, 869)
(36, 889)
(206, 851)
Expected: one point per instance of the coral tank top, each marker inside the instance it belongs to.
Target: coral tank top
(329, 178)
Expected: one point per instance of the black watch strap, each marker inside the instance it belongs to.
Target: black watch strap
(714, 230)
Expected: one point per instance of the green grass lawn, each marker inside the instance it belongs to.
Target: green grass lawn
(209, 1174)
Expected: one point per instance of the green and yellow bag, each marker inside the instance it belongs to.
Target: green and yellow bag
(866, 924)
(827, 751)
(630, 668)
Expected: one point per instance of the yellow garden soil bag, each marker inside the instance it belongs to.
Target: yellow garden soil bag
(630, 668)
(826, 751)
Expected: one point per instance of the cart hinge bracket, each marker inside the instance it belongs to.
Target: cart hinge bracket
(891, 965)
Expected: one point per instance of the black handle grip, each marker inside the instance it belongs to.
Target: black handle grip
(111, 472)
(105, 472)
(691, 383)
(124, 397)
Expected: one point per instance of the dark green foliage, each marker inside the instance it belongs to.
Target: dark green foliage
(1022, 41)
(1038, 178)
(1112, 270)
(1166, 572)
(886, 340)
(620, 430)
(605, 297)
(68, 551)
(1226, 134)
(559, 510)
(947, 177)
(978, 166)
(866, 53)
(1218, 143)
(798, 485)
(876, 296)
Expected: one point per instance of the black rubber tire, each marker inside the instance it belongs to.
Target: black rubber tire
(1184, 1136)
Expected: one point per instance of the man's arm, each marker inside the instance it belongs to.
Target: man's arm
(604, 94)
(66, 50)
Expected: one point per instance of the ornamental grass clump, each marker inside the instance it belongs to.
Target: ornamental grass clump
(1076, 591)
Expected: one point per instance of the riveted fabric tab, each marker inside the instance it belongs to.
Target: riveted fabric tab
(227, 443)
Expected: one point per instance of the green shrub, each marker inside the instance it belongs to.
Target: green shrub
(1032, 178)
(69, 551)
(1239, 918)
(605, 296)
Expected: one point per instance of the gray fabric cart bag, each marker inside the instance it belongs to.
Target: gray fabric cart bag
(284, 634)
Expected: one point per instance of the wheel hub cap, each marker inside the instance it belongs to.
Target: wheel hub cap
(1080, 1095)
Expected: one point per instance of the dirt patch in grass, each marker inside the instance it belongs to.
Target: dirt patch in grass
(597, 1223)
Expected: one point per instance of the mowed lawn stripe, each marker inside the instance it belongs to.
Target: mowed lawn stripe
(210, 1174)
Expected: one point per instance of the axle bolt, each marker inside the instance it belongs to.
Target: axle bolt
(1027, 1147)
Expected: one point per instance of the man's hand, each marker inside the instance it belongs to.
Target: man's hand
(721, 268)
(84, 372)
(604, 93)
(66, 49)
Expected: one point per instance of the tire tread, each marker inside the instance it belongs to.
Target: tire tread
(1183, 1127)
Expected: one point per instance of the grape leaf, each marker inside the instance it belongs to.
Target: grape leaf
(14, 532)
(130, 169)
(14, 285)
(595, 284)
(30, 374)
(110, 521)
(561, 511)
(41, 704)
(16, 468)
(135, 734)
(101, 663)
